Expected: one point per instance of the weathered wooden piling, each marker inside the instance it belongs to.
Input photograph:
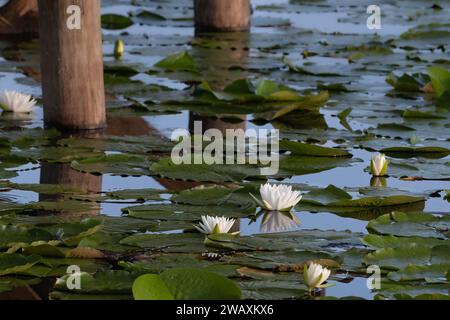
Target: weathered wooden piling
(72, 64)
(19, 16)
(222, 15)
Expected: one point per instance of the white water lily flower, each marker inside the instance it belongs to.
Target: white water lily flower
(278, 197)
(315, 275)
(211, 255)
(214, 225)
(13, 101)
(279, 222)
(379, 165)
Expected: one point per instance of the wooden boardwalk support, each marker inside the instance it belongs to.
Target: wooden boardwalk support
(19, 16)
(222, 15)
(72, 65)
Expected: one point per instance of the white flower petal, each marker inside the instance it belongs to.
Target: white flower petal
(316, 275)
(279, 197)
(13, 101)
(209, 224)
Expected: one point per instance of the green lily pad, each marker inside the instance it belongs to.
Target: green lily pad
(159, 262)
(136, 144)
(13, 263)
(136, 194)
(116, 22)
(416, 291)
(390, 241)
(116, 164)
(203, 195)
(399, 258)
(107, 282)
(326, 196)
(333, 197)
(71, 233)
(440, 79)
(179, 242)
(202, 172)
(149, 15)
(433, 273)
(283, 261)
(178, 62)
(412, 224)
(182, 212)
(56, 154)
(408, 83)
(10, 235)
(315, 240)
(304, 149)
(185, 284)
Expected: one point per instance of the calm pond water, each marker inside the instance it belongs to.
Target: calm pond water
(329, 31)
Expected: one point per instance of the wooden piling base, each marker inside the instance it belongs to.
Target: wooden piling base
(19, 16)
(72, 66)
(222, 15)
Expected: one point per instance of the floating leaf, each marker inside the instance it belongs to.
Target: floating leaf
(116, 22)
(433, 273)
(410, 224)
(185, 284)
(148, 15)
(13, 263)
(182, 242)
(305, 149)
(117, 164)
(440, 79)
(178, 62)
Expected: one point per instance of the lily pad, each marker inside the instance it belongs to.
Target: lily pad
(117, 164)
(178, 62)
(304, 149)
(411, 224)
(13, 263)
(116, 22)
(185, 284)
(182, 242)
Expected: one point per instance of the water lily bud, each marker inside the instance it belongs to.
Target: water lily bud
(119, 49)
(414, 139)
(315, 275)
(379, 165)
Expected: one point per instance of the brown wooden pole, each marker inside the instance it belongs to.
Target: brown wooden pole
(19, 16)
(222, 15)
(72, 65)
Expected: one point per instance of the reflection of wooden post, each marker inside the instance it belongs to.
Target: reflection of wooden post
(72, 65)
(214, 123)
(217, 75)
(63, 174)
(222, 15)
(216, 72)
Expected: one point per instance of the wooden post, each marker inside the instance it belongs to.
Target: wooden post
(222, 15)
(19, 16)
(72, 65)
